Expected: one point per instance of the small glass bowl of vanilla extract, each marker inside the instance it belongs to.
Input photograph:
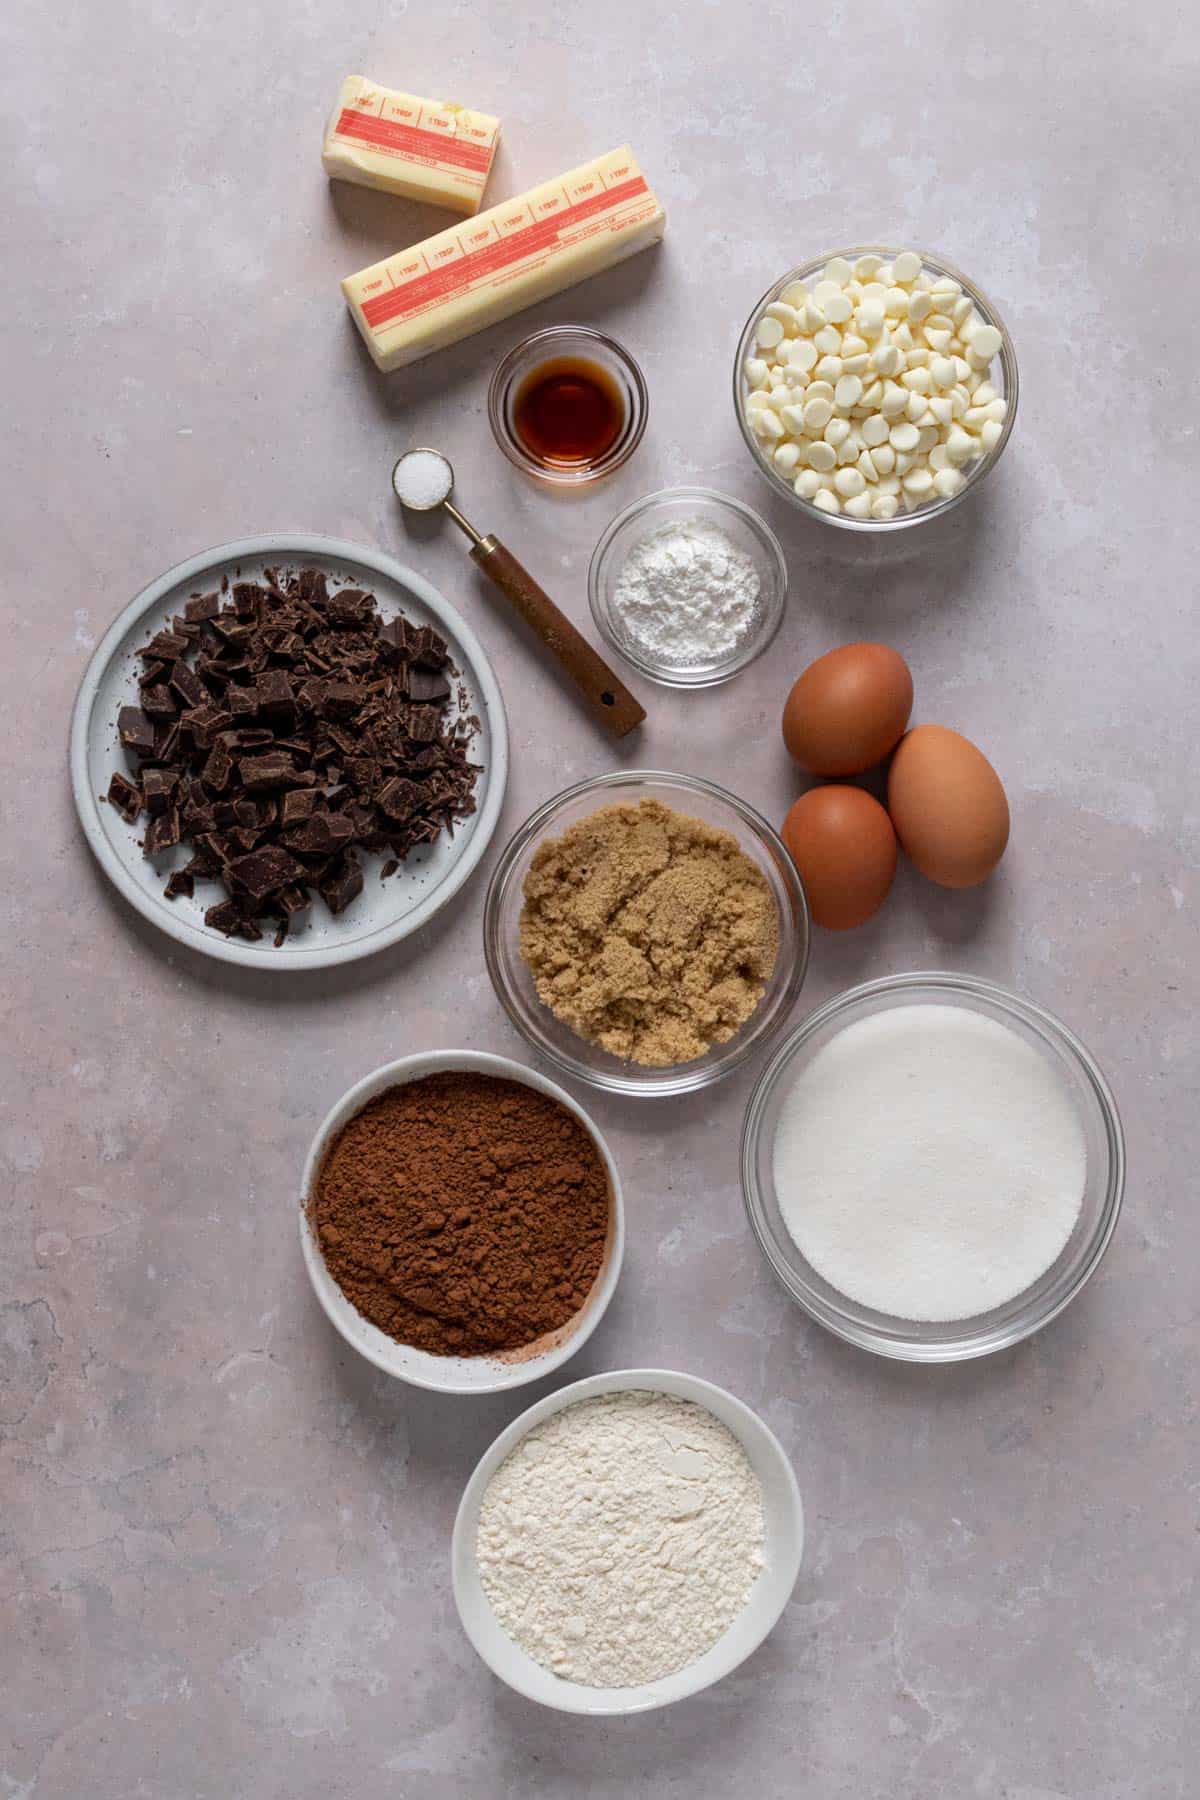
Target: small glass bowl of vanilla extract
(568, 405)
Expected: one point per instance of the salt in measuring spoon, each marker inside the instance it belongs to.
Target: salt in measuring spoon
(423, 480)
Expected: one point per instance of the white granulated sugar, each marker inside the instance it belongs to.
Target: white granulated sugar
(930, 1163)
(422, 479)
(621, 1538)
(686, 595)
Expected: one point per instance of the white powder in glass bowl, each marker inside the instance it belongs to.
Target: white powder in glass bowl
(686, 595)
(930, 1162)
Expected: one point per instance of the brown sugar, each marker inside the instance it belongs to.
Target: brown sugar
(463, 1214)
(648, 932)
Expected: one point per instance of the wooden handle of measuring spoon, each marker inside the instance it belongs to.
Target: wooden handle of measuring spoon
(609, 699)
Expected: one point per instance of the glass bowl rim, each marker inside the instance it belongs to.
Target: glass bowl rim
(773, 550)
(616, 456)
(922, 514)
(845, 1322)
(675, 1079)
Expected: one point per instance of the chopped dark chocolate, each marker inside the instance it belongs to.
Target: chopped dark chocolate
(202, 607)
(166, 647)
(135, 730)
(158, 786)
(427, 684)
(162, 833)
(125, 797)
(276, 701)
(186, 685)
(159, 703)
(265, 871)
(282, 730)
(341, 886)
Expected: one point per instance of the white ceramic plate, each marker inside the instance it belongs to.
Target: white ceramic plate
(783, 1516)
(458, 1374)
(385, 911)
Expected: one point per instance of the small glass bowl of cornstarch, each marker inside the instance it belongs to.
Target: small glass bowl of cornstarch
(688, 585)
(875, 388)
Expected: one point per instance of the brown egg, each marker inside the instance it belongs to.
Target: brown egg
(948, 806)
(848, 709)
(842, 842)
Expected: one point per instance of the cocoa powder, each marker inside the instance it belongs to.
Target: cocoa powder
(463, 1214)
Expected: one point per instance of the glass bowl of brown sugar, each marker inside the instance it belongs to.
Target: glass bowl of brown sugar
(461, 1222)
(646, 931)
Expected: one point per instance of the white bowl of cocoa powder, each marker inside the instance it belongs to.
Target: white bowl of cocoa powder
(461, 1221)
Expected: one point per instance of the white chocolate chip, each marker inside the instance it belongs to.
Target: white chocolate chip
(827, 502)
(769, 332)
(858, 506)
(906, 267)
(807, 484)
(822, 456)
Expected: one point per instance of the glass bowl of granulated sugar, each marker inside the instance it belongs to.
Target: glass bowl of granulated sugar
(933, 1166)
(688, 585)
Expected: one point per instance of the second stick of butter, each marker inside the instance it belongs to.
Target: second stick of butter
(431, 150)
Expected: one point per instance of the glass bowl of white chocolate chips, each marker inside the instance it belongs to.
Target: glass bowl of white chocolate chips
(875, 388)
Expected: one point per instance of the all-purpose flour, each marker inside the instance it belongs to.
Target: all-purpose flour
(930, 1163)
(686, 594)
(621, 1538)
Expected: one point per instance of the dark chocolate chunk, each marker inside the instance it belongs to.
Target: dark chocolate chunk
(202, 607)
(247, 598)
(322, 834)
(124, 796)
(399, 798)
(423, 723)
(158, 786)
(165, 646)
(276, 701)
(426, 684)
(265, 871)
(342, 885)
(187, 686)
(298, 804)
(135, 730)
(218, 770)
(162, 833)
(159, 703)
(180, 883)
(224, 916)
(274, 771)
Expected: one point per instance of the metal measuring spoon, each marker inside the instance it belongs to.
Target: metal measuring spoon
(424, 480)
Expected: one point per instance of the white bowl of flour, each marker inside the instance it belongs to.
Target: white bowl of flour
(636, 1519)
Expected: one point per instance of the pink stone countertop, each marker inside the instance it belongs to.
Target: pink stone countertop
(224, 1538)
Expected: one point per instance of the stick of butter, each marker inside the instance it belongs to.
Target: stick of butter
(428, 150)
(509, 257)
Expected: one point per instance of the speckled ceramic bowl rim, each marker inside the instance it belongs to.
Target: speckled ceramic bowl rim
(783, 1515)
(454, 1374)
